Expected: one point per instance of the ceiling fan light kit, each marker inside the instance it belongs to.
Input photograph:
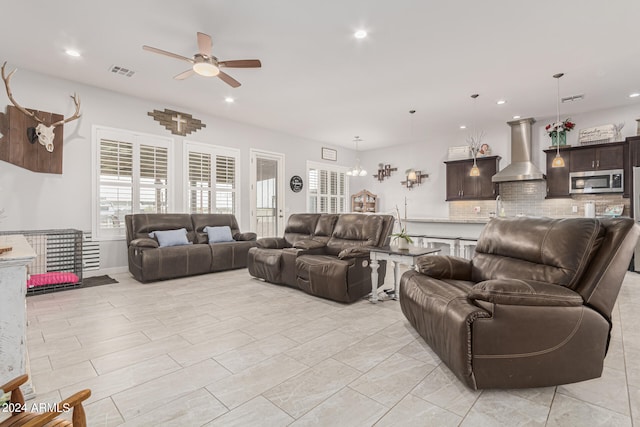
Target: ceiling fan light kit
(205, 64)
(206, 69)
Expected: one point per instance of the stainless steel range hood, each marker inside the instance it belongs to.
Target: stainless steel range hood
(521, 167)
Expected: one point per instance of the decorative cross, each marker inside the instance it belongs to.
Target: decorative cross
(179, 122)
(176, 122)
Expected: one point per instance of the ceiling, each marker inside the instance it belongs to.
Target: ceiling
(319, 82)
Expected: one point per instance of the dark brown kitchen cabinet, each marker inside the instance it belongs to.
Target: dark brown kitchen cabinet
(558, 178)
(461, 186)
(598, 157)
(613, 155)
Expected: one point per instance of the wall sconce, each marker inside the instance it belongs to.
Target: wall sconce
(414, 178)
(384, 171)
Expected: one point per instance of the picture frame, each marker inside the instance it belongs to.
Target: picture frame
(329, 154)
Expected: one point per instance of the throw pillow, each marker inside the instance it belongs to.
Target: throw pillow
(219, 234)
(171, 237)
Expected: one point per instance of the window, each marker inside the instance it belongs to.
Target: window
(132, 175)
(328, 188)
(212, 177)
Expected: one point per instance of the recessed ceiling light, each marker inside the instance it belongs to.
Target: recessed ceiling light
(72, 52)
(229, 100)
(360, 34)
(516, 117)
(463, 126)
(634, 95)
(501, 102)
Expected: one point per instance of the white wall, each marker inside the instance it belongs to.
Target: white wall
(428, 200)
(47, 201)
(42, 201)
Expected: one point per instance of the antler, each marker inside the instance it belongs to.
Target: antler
(10, 95)
(76, 115)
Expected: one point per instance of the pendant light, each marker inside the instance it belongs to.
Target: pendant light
(558, 161)
(357, 170)
(474, 141)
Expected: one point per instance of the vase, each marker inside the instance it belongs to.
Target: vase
(563, 138)
(402, 243)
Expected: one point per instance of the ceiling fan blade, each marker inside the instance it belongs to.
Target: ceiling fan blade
(164, 52)
(228, 79)
(204, 44)
(183, 75)
(241, 63)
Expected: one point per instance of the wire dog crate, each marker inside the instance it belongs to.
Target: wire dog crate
(58, 262)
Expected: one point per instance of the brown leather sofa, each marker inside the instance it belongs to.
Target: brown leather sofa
(148, 262)
(531, 309)
(325, 255)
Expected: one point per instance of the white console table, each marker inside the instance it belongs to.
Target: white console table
(13, 311)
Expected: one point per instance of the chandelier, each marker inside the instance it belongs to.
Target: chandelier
(357, 170)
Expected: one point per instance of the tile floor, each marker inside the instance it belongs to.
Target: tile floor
(225, 349)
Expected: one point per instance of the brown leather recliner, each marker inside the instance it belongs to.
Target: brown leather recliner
(531, 309)
(271, 262)
(325, 255)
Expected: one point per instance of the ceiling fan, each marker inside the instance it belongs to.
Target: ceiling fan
(207, 65)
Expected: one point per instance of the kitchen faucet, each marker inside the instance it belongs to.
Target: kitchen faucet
(499, 206)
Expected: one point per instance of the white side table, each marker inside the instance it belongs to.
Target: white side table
(398, 256)
(13, 310)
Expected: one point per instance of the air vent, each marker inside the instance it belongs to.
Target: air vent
(573, 98)
(121, 71)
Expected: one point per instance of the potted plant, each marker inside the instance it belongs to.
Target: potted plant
(401, 239)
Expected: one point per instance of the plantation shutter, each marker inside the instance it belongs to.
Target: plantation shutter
(153, 179)
(115, 184)
(327, 189)
(212, 178)
(116, 161)
(133, 174)
(225, 184)
(200, 189)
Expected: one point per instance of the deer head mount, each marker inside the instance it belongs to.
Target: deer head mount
(42, 132)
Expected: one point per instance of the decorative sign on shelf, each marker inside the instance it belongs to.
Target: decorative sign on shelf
(459, 152)
(597, 135)
(176, 122)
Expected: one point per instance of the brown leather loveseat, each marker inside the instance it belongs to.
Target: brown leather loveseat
(149, 262)
(325, 255)
(531, 309)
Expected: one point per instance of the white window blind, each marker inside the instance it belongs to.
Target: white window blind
(116, 185)
(225, 184)
(132, 175)
(199, 182)
(327, 189)
(212, 178)
(154, 181)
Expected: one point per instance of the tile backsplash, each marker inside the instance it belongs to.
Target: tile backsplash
(528, 198)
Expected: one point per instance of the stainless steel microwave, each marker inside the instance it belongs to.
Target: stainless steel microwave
(604, 181)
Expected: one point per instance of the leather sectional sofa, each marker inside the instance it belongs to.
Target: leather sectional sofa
(148, 262)
(531, 309)
(325, 255)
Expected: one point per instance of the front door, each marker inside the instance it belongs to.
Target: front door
(267, 193)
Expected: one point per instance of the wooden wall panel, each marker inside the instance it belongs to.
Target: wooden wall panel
(16, 148)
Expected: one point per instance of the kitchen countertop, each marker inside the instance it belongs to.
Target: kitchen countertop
(479, 220)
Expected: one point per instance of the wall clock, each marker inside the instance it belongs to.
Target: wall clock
(296, 184)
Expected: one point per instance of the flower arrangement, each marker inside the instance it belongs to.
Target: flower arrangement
(403, 233)
(564, 126)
